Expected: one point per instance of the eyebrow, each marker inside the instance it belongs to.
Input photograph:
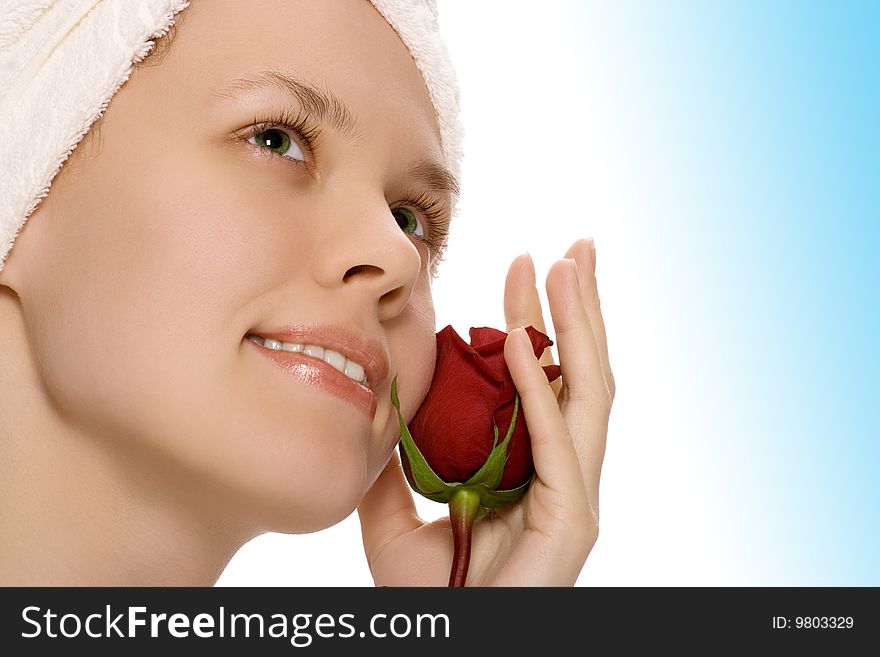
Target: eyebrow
(320, 103)
(435, 177)
(328, 108)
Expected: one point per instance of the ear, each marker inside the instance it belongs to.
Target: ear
(6, 272)
(20, 260)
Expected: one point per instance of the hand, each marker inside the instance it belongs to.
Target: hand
(544, 538)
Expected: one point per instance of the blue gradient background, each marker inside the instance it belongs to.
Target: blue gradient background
(725, 158)
(760, 169)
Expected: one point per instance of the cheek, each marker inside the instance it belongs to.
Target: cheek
(146, 271)
(135, 289)
(413, 357)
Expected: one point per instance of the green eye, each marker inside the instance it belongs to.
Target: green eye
(407, 220)
(278, 142)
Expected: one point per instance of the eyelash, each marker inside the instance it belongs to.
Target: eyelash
(301, 126)
(434, 211)
(298, 123)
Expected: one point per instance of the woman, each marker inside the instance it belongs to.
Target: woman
(280, 170)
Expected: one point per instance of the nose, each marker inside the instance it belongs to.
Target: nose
(362, 251)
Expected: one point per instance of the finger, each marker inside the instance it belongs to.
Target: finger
(556, 462)
(585, 398)
(387, 510)
(522, 305)
(583, 252)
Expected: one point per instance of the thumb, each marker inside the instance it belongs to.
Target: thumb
(388, 509)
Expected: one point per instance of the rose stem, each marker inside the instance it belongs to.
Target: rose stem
(463, 507)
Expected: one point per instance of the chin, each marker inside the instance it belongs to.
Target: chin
(304, 499)
(297, 518)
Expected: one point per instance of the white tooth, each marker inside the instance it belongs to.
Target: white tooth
(314, 350)
(354, 371)
(335, 359)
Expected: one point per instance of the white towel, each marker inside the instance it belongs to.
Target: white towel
(61, 62)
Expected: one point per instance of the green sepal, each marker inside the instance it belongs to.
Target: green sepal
(491, 472)
(424, 480)
(497, 498)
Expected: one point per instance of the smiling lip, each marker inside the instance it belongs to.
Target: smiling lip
(369, 353)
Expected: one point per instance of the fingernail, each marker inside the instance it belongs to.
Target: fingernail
(593, 253)
(524, 340)
(514, 333)
(574, 269)
(531, 264)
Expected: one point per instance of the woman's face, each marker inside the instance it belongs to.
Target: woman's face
(179, 229)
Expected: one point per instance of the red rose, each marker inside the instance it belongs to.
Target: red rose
(468, 444)
(472, 388)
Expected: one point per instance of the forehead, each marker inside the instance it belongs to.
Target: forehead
(344, 46)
